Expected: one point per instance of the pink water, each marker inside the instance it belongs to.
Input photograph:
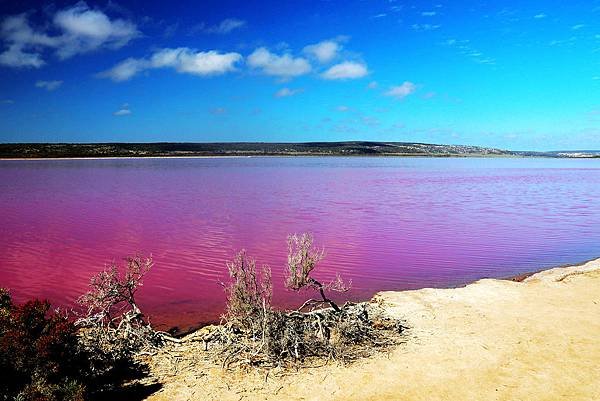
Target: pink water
(386, 223)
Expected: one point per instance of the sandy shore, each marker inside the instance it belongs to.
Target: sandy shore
(492, 340)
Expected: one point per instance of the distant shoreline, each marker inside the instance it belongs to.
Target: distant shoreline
(31, 151)
(269, 156)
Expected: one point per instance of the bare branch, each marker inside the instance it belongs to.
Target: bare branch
(301, 262)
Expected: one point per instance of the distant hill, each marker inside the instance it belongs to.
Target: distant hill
(577, 154)
(351, 148)
(354, 148)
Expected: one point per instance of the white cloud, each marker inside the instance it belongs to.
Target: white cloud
(346, 70)
(81, 30)
(424, 27)
(22, 43)
(540, 16)
(123, 111)
(464, 47)
(428, 13)
(125, 70)
(324, 51)
(401, 91)
(284, 66)
(182, 60)
(577, 27)
(189, 61)
(48, 85)
(85, 30)
(373, 85)
(14, 56)
(226, 26)
(342, 108)
(287, 92)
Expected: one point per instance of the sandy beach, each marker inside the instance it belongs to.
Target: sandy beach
(491, 340)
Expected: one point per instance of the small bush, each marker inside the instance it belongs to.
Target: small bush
(47, 355)
(39, 354)
(257, 334)
(248, 294)
(114, 328)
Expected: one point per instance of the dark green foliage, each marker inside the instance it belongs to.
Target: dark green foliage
(39, 358)
(42, 357)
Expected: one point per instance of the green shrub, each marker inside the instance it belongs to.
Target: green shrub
(39, 356)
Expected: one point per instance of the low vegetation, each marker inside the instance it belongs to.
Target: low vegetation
(114, 327)
(166, 149)
(39, 354)
(254, 333)
(56, 355)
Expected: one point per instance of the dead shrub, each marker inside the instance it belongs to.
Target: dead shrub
(113, 327)
(248, 294)
(256, 334)
(302, 259)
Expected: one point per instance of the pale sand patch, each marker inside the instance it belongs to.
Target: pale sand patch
(491, 340)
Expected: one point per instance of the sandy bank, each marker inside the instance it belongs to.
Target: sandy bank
(491, 340)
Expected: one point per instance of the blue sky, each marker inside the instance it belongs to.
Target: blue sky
(497, 73)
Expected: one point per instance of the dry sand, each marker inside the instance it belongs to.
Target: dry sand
(491, 340)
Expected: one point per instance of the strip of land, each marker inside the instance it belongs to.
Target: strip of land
(168, 149)
(491, 340)
(171, 149)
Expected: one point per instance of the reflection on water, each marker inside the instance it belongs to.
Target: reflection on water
(386, 223)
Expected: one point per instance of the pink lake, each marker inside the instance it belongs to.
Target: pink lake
(385, 223)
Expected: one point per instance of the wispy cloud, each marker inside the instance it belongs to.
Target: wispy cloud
(346, 70)
(123, 111)
(540, 16)
(283, 66)
(225, 26)
(342, 108)
(287, 92)
(7, 101)
(464, 47)
(425, 27)
(373, 85)
(183, 60)
(428, 13)
(48, 85)
(577, 27)
(564, 42)
(81, 30)
(401, 91)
